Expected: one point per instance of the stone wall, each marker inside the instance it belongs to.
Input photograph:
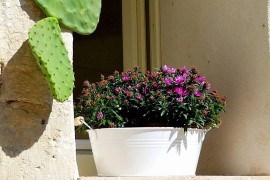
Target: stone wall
(36, 132)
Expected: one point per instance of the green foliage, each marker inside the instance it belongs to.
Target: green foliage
(169, 97)
(81, 16)
(49, 50)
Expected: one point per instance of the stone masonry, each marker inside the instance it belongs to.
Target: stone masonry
(36, 132)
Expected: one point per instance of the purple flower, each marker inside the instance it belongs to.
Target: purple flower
(144, 90)
(200, 79)
(171, 70)
(168, 81)
(139, 96)
(207, 86)
(125, 78)
(137, 86)
(178, 90)
(118, 89)
(184, 70)
(165, 68)
(99, 115)
(180, 99)
(185, 92)
(197, 93)
(180, 79)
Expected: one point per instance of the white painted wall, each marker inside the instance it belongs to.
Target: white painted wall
(228, 40)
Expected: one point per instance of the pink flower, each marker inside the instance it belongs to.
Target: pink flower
(185, 92)
(144, 90)
(118, 89)
(180, 79)
(125, 78)
(165, 68)
(99, 115)
(184, 70)
(139, 96)
(180, 99)
(207, 86)
(125, 91)
(178, 90)
(137, 86)
(197, 93)
(168, 81)
(155, 84)
(200, 79)
(171, 70)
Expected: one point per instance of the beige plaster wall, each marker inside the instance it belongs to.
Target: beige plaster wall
(36, 132)
(228, 40)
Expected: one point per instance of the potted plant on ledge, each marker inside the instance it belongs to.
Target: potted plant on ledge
(149, 124)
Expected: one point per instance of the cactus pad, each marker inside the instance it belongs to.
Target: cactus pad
(81, 16)
(50, 52)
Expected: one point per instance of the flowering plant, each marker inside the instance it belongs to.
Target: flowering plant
(169, 97)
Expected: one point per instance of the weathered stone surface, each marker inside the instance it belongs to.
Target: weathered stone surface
(36, 133)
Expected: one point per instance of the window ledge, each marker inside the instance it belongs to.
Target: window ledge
(179, 178)
(83, 144)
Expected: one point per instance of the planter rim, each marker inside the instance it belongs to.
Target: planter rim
(151, 128)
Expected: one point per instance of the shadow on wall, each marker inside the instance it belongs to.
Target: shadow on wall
(30, 7)
(25, 103)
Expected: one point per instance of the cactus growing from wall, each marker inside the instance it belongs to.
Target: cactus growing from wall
(48, 47)
(52, 57)
(81, 16)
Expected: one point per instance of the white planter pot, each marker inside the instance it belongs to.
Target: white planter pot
(146, 151)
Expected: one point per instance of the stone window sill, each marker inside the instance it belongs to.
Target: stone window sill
(180, 178)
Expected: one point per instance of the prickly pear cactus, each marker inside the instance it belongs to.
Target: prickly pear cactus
(81, 16)
(49, 49)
